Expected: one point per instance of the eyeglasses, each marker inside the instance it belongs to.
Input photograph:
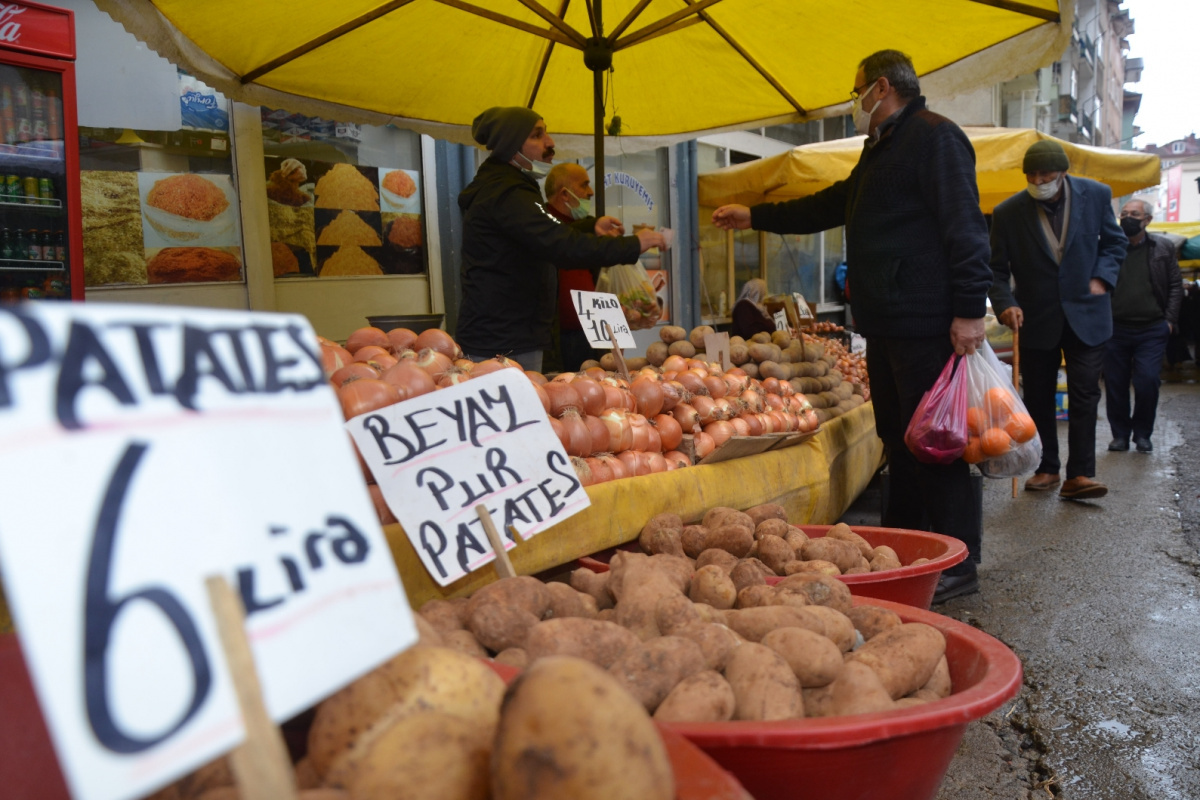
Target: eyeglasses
(857, 91)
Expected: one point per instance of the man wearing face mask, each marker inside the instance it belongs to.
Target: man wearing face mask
(917, 256)
(511, 242)
(1145, 307)
(1059, 245)
(569, 198)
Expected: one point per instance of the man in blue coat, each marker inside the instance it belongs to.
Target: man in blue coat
(1059, 243)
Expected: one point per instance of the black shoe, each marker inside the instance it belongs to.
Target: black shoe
(950, 586)
(1143, 445)
(1118, 445)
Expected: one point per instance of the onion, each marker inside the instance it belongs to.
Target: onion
(401, 339)
(753, 400)
(617, 466)
(564, 377)
(775, 402)
(381, 362)
(599, 433)
(545, 398)
(630, 401)
(693, 382)
(656, 463)
(583, 471)
(464, 364)
(334, 357)
(601, 472)
(368, 352)
(811, 419)
(366, 394)
(437, 339)
(704, 445)
(562, 396)
(720, 431)
(716, 386)
(649, 396)
(591, 395)
(433, 362)
(634, 461)
(452, 377)
(352, 370)
(753, 423)
(493, 365)
(536, 378)
(701, 367)
(768, 424)
(686, 416)
(655, 445)
(612, 396)
(705, 409)
(641, 433)
(740, 426)
(677, 460)
(386, 517)
(785, 389)
(620, 429)
(672, 394)
(578, 436)
(771, 385)
(670, 432)
(367, 336)
(674, 364)
(560, 432)
(595, 373)
(724, 408)
(410, 380)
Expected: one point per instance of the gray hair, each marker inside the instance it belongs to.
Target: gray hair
(897, 68)
(558, 177)
(1147, 209)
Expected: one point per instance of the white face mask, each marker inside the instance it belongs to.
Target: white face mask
(1046, 191)
(584, 209)
(862, 117)
(538, 169)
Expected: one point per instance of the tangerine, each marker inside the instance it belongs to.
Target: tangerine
(973, 453)
(1020, 427)
(976, 422)
(995, 442)
(999, 404)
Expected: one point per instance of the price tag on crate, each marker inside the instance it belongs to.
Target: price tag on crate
(596, 307)
(781, 321)
(486, 441)
(147, 448)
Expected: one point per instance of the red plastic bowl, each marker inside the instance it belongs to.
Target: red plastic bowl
(883, 756)
(28, 766)
(912, 586)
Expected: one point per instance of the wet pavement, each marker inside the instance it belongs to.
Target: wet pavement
(1100, 601)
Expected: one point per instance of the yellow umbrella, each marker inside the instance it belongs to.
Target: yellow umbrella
(680, 67)
(805, 170)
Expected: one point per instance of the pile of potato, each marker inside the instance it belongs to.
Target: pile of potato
(749, 546)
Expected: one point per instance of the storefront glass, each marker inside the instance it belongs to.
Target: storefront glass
(793, 264)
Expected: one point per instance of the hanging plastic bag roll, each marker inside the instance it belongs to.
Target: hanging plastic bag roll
(1003, 440)
(937, 432)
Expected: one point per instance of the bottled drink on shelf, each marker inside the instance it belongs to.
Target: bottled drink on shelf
(47, 239)
(37, 103)
(34, 250)
(20, 245)
(45, 190)
(53, 115)
(24, 118)
(60, 246)
(6, 244)
(29, 187)
(8, 120)
(12, 190)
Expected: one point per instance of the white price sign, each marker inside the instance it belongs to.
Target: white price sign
(858, 344)
(802, 307)
(595, 308)
(486, 441)
(781, 321)
(144, 449)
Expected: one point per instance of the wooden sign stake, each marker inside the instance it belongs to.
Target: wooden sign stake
(261, 765)
(516, 535)
(504, 567)
(622, 370)
(716, 347)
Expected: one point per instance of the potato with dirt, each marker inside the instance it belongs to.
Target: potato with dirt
(858, 690)
(752, 624)
(843, 532)
(733, 539)
(757, 596)
(498, 626)
(772, 527)
(814, 658)
(884, 558)
(446, 615)
(821, 590)
(524, 592)
(904, 657)
(703, 697)
(726, 561)
(594, 640)
(692, 539)
(775, 553)
(660, 522)
(764, 686)
(650, 671)
(712, 586)
(766, 511)
(716, 640)
(567, 602)
(593, 584)
(871, 621)
(844, 554)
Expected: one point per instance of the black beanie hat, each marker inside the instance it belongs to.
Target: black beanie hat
(1046, 156)
(503, 129)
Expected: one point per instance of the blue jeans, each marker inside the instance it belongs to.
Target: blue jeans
(1133, 355)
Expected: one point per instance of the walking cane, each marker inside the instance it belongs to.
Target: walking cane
(1016, 381)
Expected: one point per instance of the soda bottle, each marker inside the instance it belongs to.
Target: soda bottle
(46, 240)
(38, 112)
(53, 118)
(21, 109)
(5, 244)
(20, 246)
(8, 121)
(34, 248)
(60, 247)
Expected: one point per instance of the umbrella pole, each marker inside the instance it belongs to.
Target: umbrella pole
(1016, 380)
(597, 56)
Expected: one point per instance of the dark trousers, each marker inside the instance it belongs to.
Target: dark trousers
(927, 497)
(1039, 372)
(1133, 355)
(575, 350)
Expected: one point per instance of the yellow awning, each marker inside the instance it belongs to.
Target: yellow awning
(680, 66)
(999, 152)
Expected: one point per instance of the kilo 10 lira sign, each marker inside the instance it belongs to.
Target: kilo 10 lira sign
(594, 310)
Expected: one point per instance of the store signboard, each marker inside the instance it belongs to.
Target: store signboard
(596, 308)
(483, 442)
(39, 29)
(144, 449)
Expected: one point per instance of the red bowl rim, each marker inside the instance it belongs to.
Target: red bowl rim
(956, 552)
(1000, 683)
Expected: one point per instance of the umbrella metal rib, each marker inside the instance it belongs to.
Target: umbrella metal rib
(629, 18)
(1023, 8)
(545, 14)
(537, 84)
(692, 9)
(546, 33)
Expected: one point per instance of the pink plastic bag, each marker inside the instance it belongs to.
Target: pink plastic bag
(937, 433)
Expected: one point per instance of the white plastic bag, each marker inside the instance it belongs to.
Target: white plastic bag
(1003, 440)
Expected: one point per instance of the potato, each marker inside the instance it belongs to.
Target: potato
(592, 639)
(747, 573)
(656, 353)
(426, 633)
(884, 557)
(513, 657)
(838, 627)
(696, 337)
(764, 686)
(816, 567)
(903, 657)
(734, 539)
(796, 539)
(716, 641)
(661, 522)
(465, 642)
(917, 561)
(858, 690)
(567, 602)
(607, 615)
(681, 348)
(306, 776)
(771, 527)
(428, 677)
(498, 626)
(568, 729)
(703, 697)
(692, 539)
(752, 624)
(818, 701)
(844, 554)
(523, 592)
(305, 793)
(756, 596)
(859, 570)
(939, 682)
(650, 671)
(712, 586)
(766, 511)
(843, 532)
(790, 597)
(672, 333)
(814, 658)
(674, 612)
(666, 543)
(775, 553)
(678, 569)
(594, 584)
(727, 561)
(822, 590)
(446, 615)
(873, 620)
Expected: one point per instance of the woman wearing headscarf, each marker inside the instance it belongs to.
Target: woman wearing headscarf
(749, 313)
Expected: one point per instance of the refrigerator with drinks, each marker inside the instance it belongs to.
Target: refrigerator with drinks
(41, 233)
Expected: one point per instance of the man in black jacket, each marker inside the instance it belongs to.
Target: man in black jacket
(918, 271)
(511, 243)
(1145, 308)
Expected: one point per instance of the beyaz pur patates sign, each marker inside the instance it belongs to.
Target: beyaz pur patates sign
(485, 441)
(143, 449)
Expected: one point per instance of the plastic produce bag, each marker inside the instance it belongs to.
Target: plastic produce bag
(1003, 440)
(632, 286)
(937, 432)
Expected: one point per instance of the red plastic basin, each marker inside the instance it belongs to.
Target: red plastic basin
(912, 586)
(28, 766)
(892, 755)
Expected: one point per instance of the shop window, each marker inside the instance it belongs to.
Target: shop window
(794, 264)
(834, 255)
(343, 200)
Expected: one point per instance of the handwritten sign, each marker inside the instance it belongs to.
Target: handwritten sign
(803, 310)
(781, 321)
(145, 448)
(437, 456)
(596, 307)
(858, 343)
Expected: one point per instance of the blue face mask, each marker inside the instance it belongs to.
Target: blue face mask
(538, 169)
(584, 209)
